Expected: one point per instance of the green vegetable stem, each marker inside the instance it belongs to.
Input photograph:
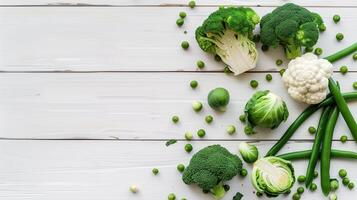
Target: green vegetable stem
(335, 153)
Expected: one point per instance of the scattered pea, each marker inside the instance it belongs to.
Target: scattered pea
(217, 58)
(180, 167)
(354, 56)
(301, 179)
(278, 62)
(281, 72)
(192, 4)
(231, 129)
(342, 173)
(197, 106)
(351, 185)
(193, 84)
(345, 181)
(254, 83)
(312, 130)
(343, 139)
(201, 133)
(209, 119)
(133, 188)
(343, 69)
(336, 18)
(300, 190)
(248, 130)
(185, 32)
(185, 45)
(296, 196)
(243, 172)
(334, 185)
(171, 196)
(226, 70)
(354, 85)
(309, 49)
(316, 174)
(180, 22)
(188, 136)
(242, 118)
(259, 194)
(265, 47)
(322, 27)
(182, 14)
(339, 36)
(313, 187)
(226, 187)
(175, 119)
(200, 64)
(155, 171)
(318, 51)
(268, 77)
(188, 148)
(333, 197)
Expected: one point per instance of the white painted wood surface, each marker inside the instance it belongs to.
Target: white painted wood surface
(126, 80)
(110, 39)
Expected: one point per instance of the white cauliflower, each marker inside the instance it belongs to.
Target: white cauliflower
(307, 78)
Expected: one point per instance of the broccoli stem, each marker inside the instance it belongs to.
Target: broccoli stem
(343, 53)
(292, 51)
(218, 191)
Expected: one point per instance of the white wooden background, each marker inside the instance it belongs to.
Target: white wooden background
(87, 89)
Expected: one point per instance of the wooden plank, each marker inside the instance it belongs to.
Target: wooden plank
(92, 170)
(325, 3)
(135, 105)
(108, 39)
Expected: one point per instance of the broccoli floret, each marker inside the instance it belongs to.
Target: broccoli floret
(228, 33)
(291, 26)
(210, 167)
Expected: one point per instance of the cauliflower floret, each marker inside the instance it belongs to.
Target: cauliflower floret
(307, 78)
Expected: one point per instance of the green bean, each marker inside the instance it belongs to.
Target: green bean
(335, 153)
(302, 117)
(326, 151)
(316, 146)
(343, 107)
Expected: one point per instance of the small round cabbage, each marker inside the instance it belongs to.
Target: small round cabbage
(273, 176)
(218, 99)
(248, 152)
(265, 109)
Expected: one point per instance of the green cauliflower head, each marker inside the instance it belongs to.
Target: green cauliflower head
(291, 26)
(210, 167)
(227, 33)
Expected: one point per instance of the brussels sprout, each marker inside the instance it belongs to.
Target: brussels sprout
(218, 99)
(265, 109)
(248, 152)
(273, 176)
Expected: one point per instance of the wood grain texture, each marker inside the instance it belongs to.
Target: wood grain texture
(110, 39)
(135, 105)
(93, 170)
(324, 3)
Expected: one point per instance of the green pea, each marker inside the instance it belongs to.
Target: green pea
(309, 49)
(312, 130)
(243, 172)
(342, 173)
(175, 119)
(182, 14)
(227, 70)
(231, 129)
(254, 83)
(313, 187)
(197, 106)
(242, 118)
(300, 190)
(316, 174)
(281, 72)
(278, 62)
(343, 69)
(200, 64)
(133, 189)
(192, 4)
(336, 18)
(354, 56)
(248, 130)
(193, 84)
(185, 45)
(333, 197)
(345, 181)
(301, 178)
(354, 85)
(265, 47)
(296, 196)
(334, 185)
(180, 22)
(268, 77)
(339, 36)
(201, 133)
(217, 58)
(322, 27)
(155, 171)
(188, 136)
(171, 196)
(343, 138)
(188, 148)
(180, 167)
(259, 194)
(209, 119)
(318, 51)
(351, 185)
